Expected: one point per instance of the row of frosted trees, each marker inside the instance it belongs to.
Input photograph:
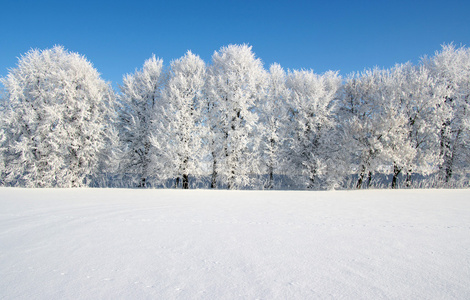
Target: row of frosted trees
(232, 124)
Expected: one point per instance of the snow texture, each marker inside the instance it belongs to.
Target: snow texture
(174, 244)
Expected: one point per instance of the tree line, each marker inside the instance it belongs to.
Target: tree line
(233, 124)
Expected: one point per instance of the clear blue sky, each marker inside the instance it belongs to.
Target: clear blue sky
(117, 36)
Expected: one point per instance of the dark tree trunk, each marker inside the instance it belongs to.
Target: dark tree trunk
(271, 168)
(185, 184)
(408, 178)
(396, 172)
(311, 184)
(231, 180)
(369, 179)
(361, 178)
(446, 153)
(214, 173)
(271, 178)
(185, 181)
(177, 182)
(145, 165)
(452, 151)
(142, 183)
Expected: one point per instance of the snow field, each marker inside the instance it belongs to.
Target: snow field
(199, 244)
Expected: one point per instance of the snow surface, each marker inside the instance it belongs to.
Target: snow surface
(199, 244)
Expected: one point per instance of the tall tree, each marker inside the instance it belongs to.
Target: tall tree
(180, 129)
(374, 126)
(234, 88)
(420, 98)
(140, 94)
(58, 119)
(451, 67)
(273, 120)
(2, 149)
(311, 109)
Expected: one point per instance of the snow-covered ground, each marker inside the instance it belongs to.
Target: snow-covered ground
(168, 244)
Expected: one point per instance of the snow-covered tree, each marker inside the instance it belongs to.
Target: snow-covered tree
(140, 94)
(420, 98)
(374, 126)
(58, 116)
(398, 149)
(2, 137)
(273, 120)
(451, 67)
(310, 108)
(234, 88)
(2, 149)
(180, 129)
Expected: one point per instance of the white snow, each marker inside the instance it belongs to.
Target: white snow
(169, 244)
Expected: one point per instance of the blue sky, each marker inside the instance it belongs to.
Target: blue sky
(118, 36)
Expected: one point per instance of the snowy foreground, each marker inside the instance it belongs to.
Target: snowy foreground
(168, 244)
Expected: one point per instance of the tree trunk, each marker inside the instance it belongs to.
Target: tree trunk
(369, 179)
(145, 165)
(408, 178)
(214, 172)
(185, 184)
(177, 182)
(446, 154)
(231, 180)
(185, 181)
(361, 178)
(396, 172)
(142, 183)
(450, 165)
(270, 184)
(271, 166)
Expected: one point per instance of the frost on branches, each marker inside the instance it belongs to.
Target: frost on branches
(310, 108)
(140, 95)
(420, 98)
(375, 127)
(57, 119)
(232, 124)
(451, 67)
(272, 124)
(178, 134)
(234, 86)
